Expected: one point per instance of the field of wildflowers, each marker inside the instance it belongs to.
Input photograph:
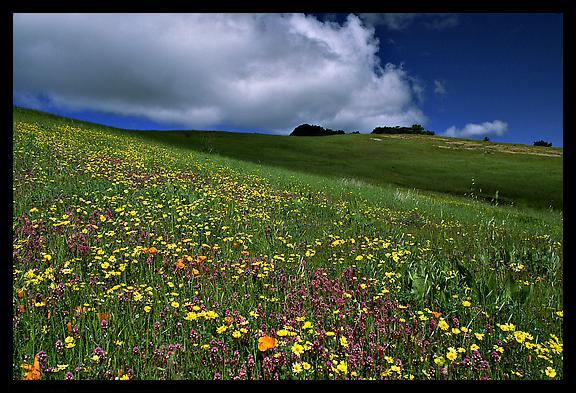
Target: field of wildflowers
(134, 260)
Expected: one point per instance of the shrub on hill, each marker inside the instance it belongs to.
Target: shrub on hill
(542, 143)
(415, 129)
(314, 130)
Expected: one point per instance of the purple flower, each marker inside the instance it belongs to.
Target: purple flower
(59, 346)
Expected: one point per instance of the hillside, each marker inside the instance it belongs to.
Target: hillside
(134, 258)
(526, 175)
(523, 175)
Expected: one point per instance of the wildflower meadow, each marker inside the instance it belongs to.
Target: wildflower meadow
(137, 260)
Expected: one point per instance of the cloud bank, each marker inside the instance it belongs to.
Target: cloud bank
(251, 71)
(495, 127)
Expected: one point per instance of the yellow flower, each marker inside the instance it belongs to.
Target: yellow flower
(95, 358)
(297, 368)
(342, 367)
(455, 330)
(191, 316)
(451, 354)
(236, 334)
(343, 341)
(306, 366)
(474, 347)
(147, 308)
(443, 325)
(297, 349)
(550, 372)
(307, 325)
(520, 336)
(221, 329)
(175, 304)
(560, 314)
(439, 361)
(466, 303)
(389, 359)
(330, 334)
(282, 332)
(508, 327)
(479, 336)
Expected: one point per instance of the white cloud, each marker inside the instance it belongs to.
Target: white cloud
(440, 88)
(495, 127)
(266, 71)
(393, 21)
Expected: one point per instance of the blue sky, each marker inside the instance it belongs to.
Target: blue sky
(495, 75)
(494, 66)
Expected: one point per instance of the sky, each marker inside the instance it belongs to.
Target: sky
(467, 75)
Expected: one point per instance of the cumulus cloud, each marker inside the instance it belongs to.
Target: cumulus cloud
(402, 21)
(259, 71)
(495, 127)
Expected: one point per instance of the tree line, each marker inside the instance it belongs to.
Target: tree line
(315, 130)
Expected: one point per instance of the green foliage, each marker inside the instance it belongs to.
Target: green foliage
(543, 143)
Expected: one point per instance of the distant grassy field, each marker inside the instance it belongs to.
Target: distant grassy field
(525, 175)
(136, 256)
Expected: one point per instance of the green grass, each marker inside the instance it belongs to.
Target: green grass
(412, 161)
(360, 257)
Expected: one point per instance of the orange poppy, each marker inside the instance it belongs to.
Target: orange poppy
(49, 314)
(180, 264)
(436, 314)
(265, 343)
(22, 309)
(195, 272)
(201, 259)
(20, 293)
(245, 253)
(69, 327)
(33, 370)
(228, 320)
(103, 315)
(120, 372)
(153, 250)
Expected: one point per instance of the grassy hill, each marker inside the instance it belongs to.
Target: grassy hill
(137, 256)
(525, 175)
(517, 174)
